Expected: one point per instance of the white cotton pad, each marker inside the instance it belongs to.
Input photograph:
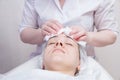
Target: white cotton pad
(65, 30)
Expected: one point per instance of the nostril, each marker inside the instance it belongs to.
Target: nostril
(57, 44)
(61, 44)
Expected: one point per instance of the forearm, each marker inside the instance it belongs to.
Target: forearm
(101, 38)
(32, 36)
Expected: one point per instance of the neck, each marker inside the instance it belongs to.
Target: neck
(62, 3)
(70, 72)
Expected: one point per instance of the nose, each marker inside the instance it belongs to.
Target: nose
(59, 44)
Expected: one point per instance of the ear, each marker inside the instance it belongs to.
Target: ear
(43, 66)
(78, 67)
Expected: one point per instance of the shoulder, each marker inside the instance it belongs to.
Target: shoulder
(105, 5)
(37, 2)
(32, 2)
(107, 2)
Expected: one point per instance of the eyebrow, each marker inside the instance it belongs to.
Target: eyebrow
(65, 36)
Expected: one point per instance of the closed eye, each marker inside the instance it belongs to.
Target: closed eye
(51, 43)
(69, 44)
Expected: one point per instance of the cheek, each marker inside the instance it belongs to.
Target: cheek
(74, 54)
(48, 49)
(46, 58)
(46, 53)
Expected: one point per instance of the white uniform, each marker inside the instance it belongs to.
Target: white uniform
(90, 14)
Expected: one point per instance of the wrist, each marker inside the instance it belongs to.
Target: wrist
(89, 38)
(42, 36)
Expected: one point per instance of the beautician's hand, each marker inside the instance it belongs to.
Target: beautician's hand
(97, 39)
(79, 33)
(51, 27)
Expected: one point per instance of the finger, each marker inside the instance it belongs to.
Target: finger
(79, 35)
(73, 32)
(45, 33)
(49, 29)
(58, 24)
(53, 26)
(83, 38)
(76, 30)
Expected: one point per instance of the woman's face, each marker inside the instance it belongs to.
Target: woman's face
(61, 52)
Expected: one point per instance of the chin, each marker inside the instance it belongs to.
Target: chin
(57, 58)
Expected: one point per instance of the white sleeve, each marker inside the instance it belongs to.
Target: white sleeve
(105, 17)
(29, 18)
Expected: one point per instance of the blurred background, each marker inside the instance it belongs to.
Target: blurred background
(14, 52)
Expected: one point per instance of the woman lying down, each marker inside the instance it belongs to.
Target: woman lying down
(64, 59)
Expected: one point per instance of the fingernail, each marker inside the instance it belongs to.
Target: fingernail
(55, 33)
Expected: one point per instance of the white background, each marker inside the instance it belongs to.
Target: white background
(13, 52)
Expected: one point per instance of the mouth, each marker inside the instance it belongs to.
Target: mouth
(58, 51)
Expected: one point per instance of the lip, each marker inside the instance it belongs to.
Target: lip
(58, 50)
